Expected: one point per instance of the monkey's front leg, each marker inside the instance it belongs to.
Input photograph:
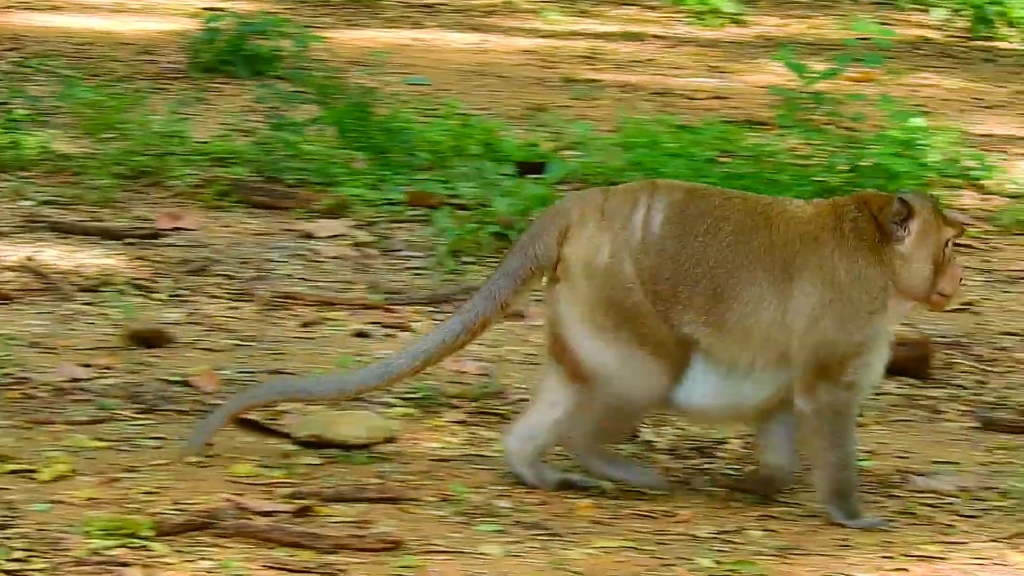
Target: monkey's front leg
(829, 412)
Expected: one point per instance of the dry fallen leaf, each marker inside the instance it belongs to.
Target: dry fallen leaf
(177, 220)
(861, 76)
(423, 199)
(942, 483)
(260, 506)
(310, 320)
(71, 371)
(206, 381)
(103, 362)
(328, 228)
(466, 366)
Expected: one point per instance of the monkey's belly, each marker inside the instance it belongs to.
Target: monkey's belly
(712, 392)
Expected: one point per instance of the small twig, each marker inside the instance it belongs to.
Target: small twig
(350, 494)
(29, 265)
(227, 520)
(992, 422)
(443, 296)
(69, 421)
(301, 567)
(296, 537)
(198, 520)
(427, 299)
(98, 230)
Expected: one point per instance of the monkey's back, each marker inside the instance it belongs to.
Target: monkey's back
(721, 267)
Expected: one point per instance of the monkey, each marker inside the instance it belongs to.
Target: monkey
(719, 305)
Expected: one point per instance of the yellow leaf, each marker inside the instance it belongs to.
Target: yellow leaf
(55, 471)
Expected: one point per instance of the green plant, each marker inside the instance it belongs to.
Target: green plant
(240, 46)
(901, 149)
(315, 129)
(23, 141)
(712, 12)
(987, 19)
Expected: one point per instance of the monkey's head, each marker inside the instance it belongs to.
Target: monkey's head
(919, 236)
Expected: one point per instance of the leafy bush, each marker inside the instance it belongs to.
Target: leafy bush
(987, 19)
(328, 133)
(23, 144)
(712, 12)
(235, 45)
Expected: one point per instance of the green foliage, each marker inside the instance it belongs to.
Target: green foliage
(712, 12)
(23, 144)
(901, 150)
(987, 19)
(318, 130)
(238, 46)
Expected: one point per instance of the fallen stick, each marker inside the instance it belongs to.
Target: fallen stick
(1005, 423)
(427, 299)
(296, 537)
(68, 421)
(350, 494)
(29, 265)
(98, 230)
(228, 521)
(198, 520)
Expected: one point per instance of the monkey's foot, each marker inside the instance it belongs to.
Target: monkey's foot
(863, 523)
(555, 481)
(611, 466)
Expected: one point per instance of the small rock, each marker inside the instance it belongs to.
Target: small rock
(942, 483)
(349, 429)
(73, 372)
(311, 320)
(147, 336)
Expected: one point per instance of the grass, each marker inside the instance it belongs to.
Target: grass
(983, 19)
(318, 129)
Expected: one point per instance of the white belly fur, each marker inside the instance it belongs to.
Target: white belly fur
(711, 392)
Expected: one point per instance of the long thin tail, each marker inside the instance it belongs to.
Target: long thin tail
(535, 253)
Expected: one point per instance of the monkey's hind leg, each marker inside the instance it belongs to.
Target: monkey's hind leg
(542, 426)
(601, 422)
(778, 457)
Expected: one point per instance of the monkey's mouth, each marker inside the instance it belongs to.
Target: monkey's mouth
(940, 300)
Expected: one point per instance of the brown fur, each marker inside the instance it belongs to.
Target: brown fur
(720, 305)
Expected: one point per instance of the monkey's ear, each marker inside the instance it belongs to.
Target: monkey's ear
(898, 218)
(892, 213)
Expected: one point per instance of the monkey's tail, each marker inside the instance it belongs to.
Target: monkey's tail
(536, 253)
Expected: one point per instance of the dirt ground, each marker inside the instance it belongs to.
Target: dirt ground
(955, 493)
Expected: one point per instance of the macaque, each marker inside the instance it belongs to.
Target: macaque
(719, 305)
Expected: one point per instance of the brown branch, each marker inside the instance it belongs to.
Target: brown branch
(228, 521)
(426, 299)
(198, 520)
(1005, 423)
(350, 494)
(296, 537)
(98, 230)
(29, 265)
(68, 421)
